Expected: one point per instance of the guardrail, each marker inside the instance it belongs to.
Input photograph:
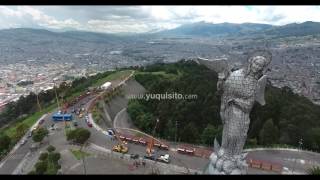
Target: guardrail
(267, 166)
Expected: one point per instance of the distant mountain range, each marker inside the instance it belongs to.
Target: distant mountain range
(199, 29)
(202, 29)
(25, 43)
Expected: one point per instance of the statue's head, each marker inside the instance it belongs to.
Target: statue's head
(258, 62)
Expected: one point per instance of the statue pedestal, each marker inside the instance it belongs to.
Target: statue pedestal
(221, 165)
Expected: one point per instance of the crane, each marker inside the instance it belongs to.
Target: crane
(150, 149)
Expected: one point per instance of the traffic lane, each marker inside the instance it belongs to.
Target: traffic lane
(14, 159)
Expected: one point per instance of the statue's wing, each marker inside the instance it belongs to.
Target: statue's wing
(217, 65)
(260, 90)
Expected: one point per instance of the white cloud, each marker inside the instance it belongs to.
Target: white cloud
(116, 26)
(144, 18)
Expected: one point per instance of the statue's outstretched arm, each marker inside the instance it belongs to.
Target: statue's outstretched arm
(220, 66)
(217, 65)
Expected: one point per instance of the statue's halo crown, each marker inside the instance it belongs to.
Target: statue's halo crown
(264, 53)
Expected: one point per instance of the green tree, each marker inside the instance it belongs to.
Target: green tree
(312, 139)
(79, 135)
(4, 143)
(51, 148)
(21, 129)
(43, 156)
(41, 167)
(82, 135)
(269, 133)
(54, 157)
(190, 133)
(39, 134)
(252, 142)
(209, 134)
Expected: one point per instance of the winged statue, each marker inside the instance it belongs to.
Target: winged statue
(240, 89)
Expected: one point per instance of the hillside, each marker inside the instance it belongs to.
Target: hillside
(202, 29)
(285, 119)
(210, 29)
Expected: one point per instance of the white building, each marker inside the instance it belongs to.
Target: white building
(106, 85)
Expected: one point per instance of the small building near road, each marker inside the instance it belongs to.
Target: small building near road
(106, 85)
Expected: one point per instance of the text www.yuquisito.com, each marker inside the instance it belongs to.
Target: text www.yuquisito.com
(166, 96)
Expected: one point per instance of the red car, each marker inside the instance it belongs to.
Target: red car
(122, 138)
(89, 124)
(142, 141)
(41, 121)
(165, 147)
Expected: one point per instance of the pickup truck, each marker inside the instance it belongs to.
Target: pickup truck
(164, 158)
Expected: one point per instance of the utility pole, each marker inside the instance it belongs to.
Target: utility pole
(154, 130)
(37, 93)
(83, 162)
(55, 90)
(175, 137)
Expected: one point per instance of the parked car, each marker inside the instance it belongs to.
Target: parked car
(142, 141)
(41, 121)
(29, 134)
(24, 141)
(164, 147)
(52, 127)
(89, 124)
(151, 157)
(134, 156)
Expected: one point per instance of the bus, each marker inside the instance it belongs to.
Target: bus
(62, 117)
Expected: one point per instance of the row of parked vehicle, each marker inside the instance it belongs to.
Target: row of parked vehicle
(161, 158)
(87, 121)
(188, 151)
(142, 141)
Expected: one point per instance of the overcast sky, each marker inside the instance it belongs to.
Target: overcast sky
(115, 19)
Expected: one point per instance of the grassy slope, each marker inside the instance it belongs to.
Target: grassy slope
(79, 154)
(113, 76)
(28, 121)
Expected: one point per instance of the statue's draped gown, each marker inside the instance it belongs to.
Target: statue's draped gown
(239, 88)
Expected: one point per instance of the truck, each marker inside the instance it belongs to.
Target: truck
(164, 158)
(120, 148)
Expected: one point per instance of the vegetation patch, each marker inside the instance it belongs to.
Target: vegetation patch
(285, 120)
(113, 76)
(48, 162)
(78, 135)
(78, 154)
